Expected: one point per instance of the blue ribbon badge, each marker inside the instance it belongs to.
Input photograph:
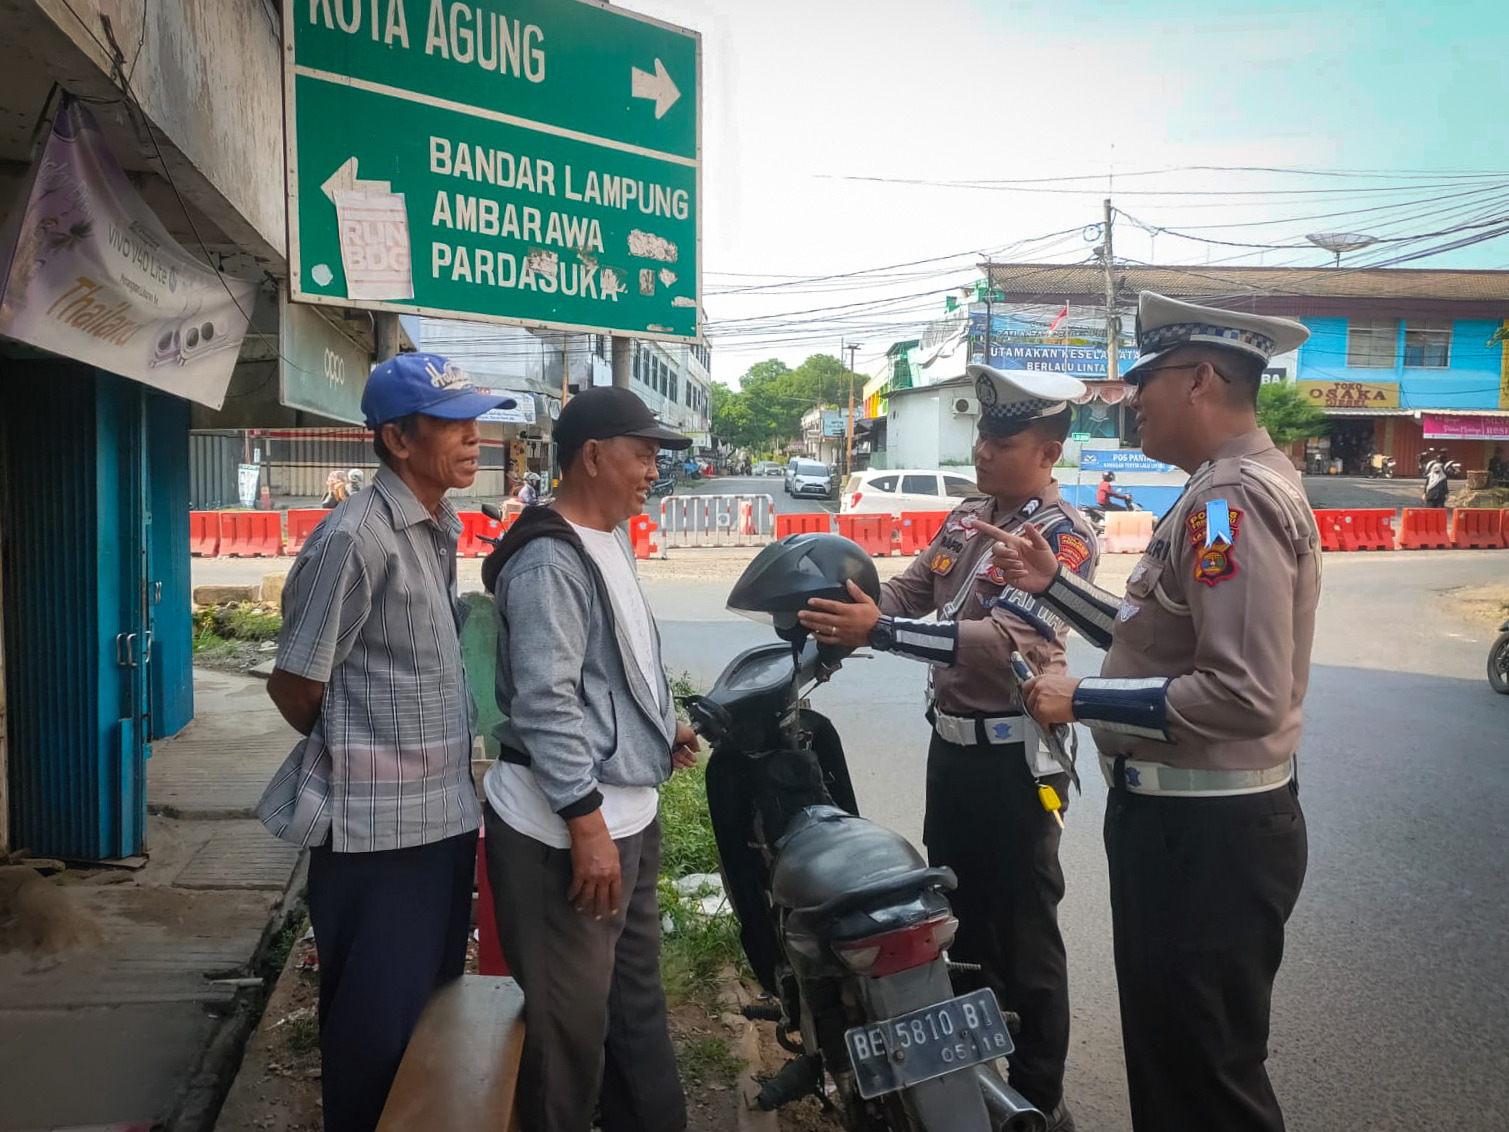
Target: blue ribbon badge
(1217, 523)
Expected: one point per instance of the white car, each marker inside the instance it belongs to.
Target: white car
(903, 489)
(808, 477)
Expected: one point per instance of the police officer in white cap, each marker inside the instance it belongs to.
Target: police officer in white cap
(992, 786)
(1196, 715)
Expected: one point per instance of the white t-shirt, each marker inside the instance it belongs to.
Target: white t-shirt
(512, 790)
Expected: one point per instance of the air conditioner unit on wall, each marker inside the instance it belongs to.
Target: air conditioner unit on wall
(966, 407)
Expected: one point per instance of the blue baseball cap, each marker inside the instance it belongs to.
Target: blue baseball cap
(428, 384)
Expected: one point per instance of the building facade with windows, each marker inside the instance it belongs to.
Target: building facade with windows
(1399, 360)
(675, 381)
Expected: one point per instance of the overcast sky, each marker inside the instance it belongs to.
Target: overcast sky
(802, 97)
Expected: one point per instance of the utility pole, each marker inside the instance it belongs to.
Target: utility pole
(853, 348)
(1112, 342)
(990, 294)
(623, 360)
(386, 334)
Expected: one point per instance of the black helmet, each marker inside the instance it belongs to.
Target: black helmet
(783, 576)
(1108, 476)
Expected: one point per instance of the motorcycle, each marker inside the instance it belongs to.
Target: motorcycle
(665, 485)
(1498, 662)
(1453, 468)
(1097, 514)
(1380, 467)
(844, 924)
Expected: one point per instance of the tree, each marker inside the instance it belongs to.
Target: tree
(772, 399)
(1287, 416)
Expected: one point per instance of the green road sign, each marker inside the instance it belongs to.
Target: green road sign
(536, 164)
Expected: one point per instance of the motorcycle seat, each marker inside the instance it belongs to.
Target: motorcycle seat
(828, 854)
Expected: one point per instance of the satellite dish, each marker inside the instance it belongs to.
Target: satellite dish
(1338, 242)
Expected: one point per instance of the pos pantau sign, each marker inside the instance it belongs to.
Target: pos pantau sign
(535, 162)
(1350, 394)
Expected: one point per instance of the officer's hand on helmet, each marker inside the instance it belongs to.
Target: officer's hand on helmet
(1026, 559)
(1050, 699)
(843, 623)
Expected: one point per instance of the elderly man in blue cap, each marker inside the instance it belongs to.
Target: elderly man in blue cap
(380, 790)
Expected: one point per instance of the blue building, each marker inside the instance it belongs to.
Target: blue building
(1399, 360)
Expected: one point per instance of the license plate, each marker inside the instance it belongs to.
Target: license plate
(927, 1043)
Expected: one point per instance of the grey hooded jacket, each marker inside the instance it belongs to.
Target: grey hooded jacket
(579, 711)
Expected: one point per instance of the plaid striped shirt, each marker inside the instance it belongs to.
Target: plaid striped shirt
(370, 611)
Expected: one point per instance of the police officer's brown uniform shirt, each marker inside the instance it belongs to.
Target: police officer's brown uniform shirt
(956, 577)
(1224, 629)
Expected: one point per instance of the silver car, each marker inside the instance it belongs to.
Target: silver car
(809, 478)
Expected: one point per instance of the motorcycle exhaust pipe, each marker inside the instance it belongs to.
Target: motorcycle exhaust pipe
(1009, 1110)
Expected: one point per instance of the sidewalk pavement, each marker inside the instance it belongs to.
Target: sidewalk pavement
(140, 1029)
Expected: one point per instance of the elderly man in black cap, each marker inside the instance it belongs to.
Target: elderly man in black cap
(995, 792)
(573, 831)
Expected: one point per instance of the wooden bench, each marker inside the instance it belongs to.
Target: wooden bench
(462, 1065)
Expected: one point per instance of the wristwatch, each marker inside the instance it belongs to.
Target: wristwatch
(883, 636)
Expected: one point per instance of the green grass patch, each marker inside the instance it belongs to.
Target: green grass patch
(704, 1060)
(301, 1035)
(687, 845)
(696, 949)
(240, 622)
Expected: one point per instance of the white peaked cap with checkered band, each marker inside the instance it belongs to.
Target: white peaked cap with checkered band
(1022, 394)
(1164, 325)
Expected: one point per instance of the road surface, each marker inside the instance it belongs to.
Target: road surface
(1392, 1008)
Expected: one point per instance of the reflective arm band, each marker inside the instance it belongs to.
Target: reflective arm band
(1033, 610)
(1127, 707)
(1088, 608)
(934, 642)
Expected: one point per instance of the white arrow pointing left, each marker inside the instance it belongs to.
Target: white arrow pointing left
(344, 180)
(657, 87)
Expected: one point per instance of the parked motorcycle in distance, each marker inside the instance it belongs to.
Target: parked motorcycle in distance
(843, 922)
(1498, 661)
(665, 485)
(1380, 467)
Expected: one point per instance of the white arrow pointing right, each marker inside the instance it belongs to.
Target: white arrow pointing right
(657, 86)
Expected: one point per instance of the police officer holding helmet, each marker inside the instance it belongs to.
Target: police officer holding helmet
(994, 790)
(1197, 715)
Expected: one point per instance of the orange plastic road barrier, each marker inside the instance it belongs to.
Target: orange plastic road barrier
(1128, 532)
(919, 528)
(641, 528)
(806, 523)
(872, 532)
(1424, 528)
(251, 534)
(1477, 528)
(474, 524)
(490, 959)
(1367, 530)
(301, 524)
(204, 533)
(1329, 522)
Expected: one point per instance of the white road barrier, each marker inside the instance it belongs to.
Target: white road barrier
(716, 520)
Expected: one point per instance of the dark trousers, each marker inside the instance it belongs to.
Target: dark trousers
(984, 821)
(596, 1036)
(1200, 891)
(390, 927)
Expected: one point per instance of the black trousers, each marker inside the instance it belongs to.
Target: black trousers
(1200, 891)
(984, 821)
(390, 927)
(596, 1034)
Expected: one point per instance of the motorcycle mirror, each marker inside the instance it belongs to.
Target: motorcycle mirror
(492, 512)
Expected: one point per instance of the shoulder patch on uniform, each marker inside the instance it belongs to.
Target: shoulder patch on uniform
(1202, 532)
(1213, 532)
(1073, 551)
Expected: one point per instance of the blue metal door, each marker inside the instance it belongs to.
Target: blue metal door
(73, 482)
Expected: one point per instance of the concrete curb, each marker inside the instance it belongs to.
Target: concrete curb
(205, 1092)
(746, 1047)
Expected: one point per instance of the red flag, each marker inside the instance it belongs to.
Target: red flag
(1058, 318)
